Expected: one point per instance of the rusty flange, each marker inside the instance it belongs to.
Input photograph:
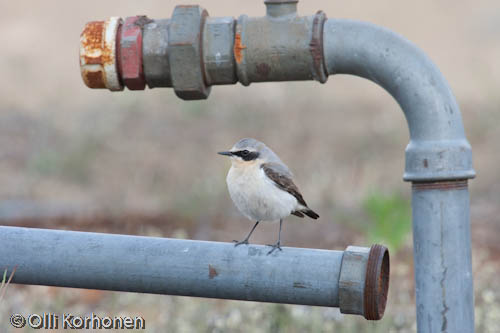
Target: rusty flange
(98, 63)
(376, 283)
(316, 48)
(364, 281)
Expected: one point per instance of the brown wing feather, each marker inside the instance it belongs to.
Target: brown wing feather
(283, 182)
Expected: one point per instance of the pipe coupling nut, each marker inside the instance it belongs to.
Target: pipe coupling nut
(185, 52)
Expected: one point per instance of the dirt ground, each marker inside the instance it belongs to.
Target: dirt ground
(145, 162)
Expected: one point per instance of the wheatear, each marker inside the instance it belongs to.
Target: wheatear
(261, 186)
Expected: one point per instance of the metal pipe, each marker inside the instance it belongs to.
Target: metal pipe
(283, 46)
(438, 159)
(438, 149)
(198, 268)
(442, 252)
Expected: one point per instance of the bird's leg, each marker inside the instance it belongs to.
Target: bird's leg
(245, 241)
(277, 245)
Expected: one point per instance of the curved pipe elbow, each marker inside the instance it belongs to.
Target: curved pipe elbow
(438, 149)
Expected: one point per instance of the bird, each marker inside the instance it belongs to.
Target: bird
(261, 187)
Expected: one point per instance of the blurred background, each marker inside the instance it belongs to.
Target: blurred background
(145, 162)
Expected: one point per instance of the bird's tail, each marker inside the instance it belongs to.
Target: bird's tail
(309, 212)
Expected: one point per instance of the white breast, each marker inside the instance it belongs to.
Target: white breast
(256, 196)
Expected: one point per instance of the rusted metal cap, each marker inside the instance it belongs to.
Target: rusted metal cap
(364, 281)
(98, 62)
(376, 283)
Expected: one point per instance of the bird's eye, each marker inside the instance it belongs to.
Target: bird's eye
(245, 152)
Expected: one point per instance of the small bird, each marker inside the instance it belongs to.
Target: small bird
(261, 186)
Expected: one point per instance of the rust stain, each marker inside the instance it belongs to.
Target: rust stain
(95, 60)
(458, 184)
(376, 282)
(316, 51)
(92, 33)
(94, 79)
(92, 42)
(212, 272)
(426, 163)
(316, 46)
(238, 47)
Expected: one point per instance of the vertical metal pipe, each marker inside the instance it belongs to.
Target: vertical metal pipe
(438, 162)
(441, 246)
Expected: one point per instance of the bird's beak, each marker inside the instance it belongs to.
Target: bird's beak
(225, 153)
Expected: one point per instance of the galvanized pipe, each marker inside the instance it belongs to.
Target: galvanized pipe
(355, 280)
(438, 149)
(438, 162)
(284, 46)
(442, 251)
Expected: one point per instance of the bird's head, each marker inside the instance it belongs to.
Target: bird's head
(247, 151)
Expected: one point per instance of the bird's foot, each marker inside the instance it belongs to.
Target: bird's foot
(274, 247)
(245, 241)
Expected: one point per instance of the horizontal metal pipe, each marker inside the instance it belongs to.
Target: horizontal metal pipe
(197, 268)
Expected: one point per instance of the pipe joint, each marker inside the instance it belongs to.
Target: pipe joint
(286, 49)
(185, 53)
(438, 160)
(364, 281)
(191, 51)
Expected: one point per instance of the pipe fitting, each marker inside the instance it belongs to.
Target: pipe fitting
(155, 54)
(98, 62)
(432, 160)
(185, 53)
(280, 48)
(191, 52)
(218, 45)
(364, 281)
(130, 52)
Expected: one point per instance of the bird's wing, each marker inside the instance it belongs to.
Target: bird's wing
(282, 177)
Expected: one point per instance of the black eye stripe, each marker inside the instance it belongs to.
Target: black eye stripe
(247, 155)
